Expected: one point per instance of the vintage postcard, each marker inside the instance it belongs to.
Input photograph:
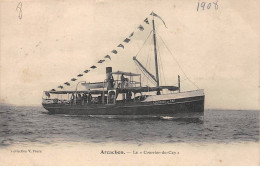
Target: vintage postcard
(126, 83)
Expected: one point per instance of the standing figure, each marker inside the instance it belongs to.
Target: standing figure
(122, 80)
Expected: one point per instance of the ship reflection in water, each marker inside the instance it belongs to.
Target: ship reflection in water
(26, 125)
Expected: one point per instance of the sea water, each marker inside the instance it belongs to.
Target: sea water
(24, 125)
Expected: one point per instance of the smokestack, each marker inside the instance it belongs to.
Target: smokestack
(108, 72)
(108, 77)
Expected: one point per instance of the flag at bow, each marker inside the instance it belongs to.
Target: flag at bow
(79, 75)
(127, 40)
(114, 51)
(120, 45)
(73, 79)
(154, 14)
(67, 83)
(146, 21)
(140, 27)
(93, 67)
(107, 56)
(101, 61)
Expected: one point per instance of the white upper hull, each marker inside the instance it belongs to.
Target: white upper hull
(187, 94)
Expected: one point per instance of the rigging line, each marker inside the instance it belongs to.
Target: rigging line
(159, 61)
(161, 65)
(149, 58)
(147, 64)
(151, 80)
(144, 43)
(146, 75)
(181, 81)
(177, 62)
(163, 74)
(137, 70)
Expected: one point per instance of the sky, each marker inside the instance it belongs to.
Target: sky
(54, 41)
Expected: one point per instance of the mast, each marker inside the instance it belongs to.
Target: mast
(155, 54)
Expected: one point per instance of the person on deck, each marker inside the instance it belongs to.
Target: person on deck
(123, 80)
(85, 98)
(111, 80)
(89, 97)
(79, 98)
(72, 98)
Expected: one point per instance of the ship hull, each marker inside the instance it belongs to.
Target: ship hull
(184, 107)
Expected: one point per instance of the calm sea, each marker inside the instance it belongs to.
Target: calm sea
(23, 125)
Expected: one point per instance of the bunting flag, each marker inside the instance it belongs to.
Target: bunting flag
(132, 34)
(86, 71)
(114, 51)
(120, 45)
(154, 14)
(60, 87)
(53, 90)
(146, 21)
(79, 75)
(107, 56)
(93, 67)
(73, 79)
(140, 27)
(101, 61)
(127, 40)
(67, 83)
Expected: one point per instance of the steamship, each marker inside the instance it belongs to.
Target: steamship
(122, 93)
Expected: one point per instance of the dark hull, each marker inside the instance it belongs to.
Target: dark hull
(190, 107)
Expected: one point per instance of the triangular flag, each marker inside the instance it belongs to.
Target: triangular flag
(93, 67)
(127, 40)
(67, 83)
(60, 87)
(107, 56)
(101, 61)
(53, 90)
(132, 34)
(114, 51)
(140, 27)
(146, 20)
(73, 79)
(154, 14)
(120, 45)
(79, 75)
(86, 71)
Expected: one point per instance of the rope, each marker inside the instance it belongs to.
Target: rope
(146, 75)
(181, 81)
(148, 64)
(161, 67)
(177, 62)
(143, 44)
